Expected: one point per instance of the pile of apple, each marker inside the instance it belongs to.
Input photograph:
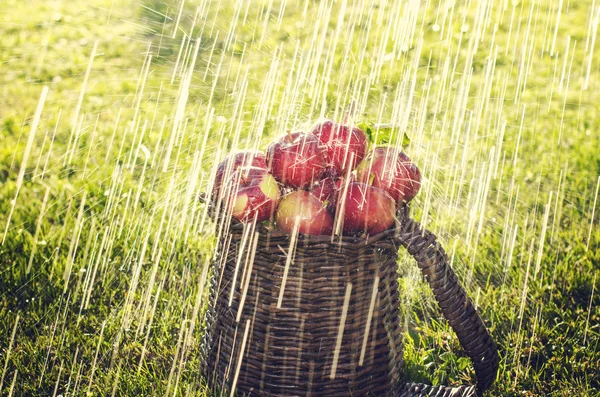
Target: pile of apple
(310, 182)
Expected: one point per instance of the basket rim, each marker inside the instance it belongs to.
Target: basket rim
(267, 232)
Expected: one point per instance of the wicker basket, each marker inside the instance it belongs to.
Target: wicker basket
(332, 328)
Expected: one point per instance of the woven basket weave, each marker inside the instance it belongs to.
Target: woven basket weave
(333, 328)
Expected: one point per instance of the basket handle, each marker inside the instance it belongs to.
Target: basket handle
(457, 309)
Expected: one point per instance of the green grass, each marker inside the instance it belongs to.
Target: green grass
(138, 227)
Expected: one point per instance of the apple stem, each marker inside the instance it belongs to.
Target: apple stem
(371, 179)
(289, 134)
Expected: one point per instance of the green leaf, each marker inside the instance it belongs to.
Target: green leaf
(381, 135)
(405, 140)
(366, 127)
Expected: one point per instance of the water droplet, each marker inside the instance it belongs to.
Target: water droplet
(145, 150)
(435, 27)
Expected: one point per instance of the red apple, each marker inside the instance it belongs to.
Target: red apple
(346, 145)
(258, 198)
(331, 172)
(305, 208)
(391, 170)
(245, 187)
(227, 168)
(328, 190)
(297, 160)
(367, 209)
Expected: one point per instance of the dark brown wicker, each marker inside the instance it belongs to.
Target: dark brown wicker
(336, 332)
